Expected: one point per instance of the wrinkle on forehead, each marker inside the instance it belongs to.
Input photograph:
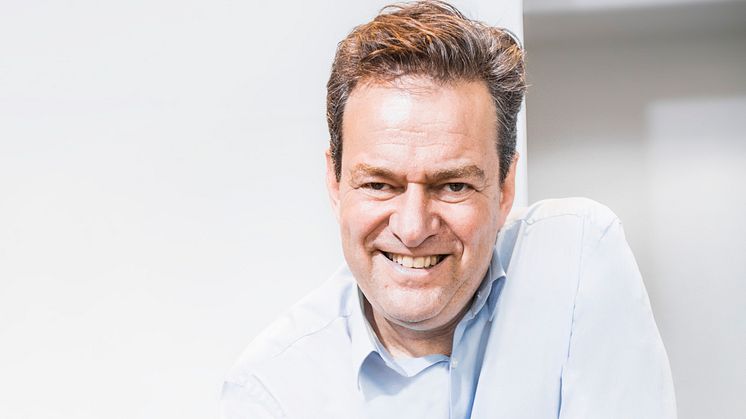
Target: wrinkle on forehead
(413, 138)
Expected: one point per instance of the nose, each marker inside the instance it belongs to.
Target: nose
(413, 220)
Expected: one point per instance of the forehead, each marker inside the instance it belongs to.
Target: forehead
(417, 124)
(413, 102)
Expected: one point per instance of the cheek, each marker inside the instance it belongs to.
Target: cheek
(474, 225)
(361, 219)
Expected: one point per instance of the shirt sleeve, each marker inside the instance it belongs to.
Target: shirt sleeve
(616, 366)
(249, 400)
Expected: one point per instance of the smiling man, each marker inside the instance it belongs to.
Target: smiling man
(446, 308)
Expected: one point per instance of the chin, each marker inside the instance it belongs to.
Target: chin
(412, 307)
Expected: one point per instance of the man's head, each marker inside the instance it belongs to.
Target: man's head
(425, 102)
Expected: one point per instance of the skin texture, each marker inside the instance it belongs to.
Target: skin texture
(420, 176)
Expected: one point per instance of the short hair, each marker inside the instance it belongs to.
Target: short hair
(432, 39)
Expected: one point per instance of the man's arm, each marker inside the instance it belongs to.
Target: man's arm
(617, 366)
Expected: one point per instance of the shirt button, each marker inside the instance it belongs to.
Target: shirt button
(454, 363)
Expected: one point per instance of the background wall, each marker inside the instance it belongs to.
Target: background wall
(641, 105)
(162, 198)
(161, 193)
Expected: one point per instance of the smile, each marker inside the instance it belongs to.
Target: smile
(419, 262)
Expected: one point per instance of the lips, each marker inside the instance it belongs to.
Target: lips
(416, 262)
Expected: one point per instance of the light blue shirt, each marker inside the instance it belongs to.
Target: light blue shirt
(561, 327)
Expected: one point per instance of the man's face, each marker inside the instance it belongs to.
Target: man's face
(419, 201)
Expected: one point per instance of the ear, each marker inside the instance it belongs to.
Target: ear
(332, 185)
(507, 191)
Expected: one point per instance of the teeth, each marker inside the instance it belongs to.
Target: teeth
(414, 262)
(419, 262)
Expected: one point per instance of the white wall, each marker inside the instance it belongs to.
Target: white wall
(161, 193)
(651, 123)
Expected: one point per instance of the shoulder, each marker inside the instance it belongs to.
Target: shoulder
(590, 211)
(301, 329)
(291, 356)
(552, 224)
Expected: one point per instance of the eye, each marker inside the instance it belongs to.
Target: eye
(378, 190)
(376, 186)
(455, 191)
(456, 187)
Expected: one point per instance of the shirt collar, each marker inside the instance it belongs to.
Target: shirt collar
(365, 342)
(488, 291)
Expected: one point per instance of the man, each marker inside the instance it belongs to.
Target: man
(429, 319)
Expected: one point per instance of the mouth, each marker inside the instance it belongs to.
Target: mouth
(418, 262)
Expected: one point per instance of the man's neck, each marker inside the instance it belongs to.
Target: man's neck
(401, 341)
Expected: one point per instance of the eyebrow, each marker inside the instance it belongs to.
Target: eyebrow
(363, 170)
(469, 171)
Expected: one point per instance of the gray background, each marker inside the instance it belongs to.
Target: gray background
(644, 109)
